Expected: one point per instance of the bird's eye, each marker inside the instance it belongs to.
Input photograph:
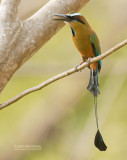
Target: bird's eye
(74, 17)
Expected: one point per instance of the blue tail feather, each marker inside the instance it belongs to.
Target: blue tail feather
(93, 85)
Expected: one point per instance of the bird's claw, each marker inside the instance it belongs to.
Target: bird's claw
(88, 60)
(76, 68)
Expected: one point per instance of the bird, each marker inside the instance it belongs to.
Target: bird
(88, 45)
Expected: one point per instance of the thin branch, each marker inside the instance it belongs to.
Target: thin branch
(62, 75)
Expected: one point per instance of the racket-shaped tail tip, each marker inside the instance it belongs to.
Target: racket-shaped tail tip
(99, 142)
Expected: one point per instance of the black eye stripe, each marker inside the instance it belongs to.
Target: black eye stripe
(79, 20)
(75, 18)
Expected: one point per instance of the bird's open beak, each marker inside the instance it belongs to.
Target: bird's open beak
(62, 17)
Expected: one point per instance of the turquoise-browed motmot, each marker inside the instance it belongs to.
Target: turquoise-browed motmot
(87, 43)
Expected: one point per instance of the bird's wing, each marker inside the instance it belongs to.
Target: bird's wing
(96, 46)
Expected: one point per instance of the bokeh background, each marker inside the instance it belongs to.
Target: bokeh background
(60, 118)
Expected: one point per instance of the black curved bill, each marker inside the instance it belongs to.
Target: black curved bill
(68, 18)
(62, 17)
(99, 142)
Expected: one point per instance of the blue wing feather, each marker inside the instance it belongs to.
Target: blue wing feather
(96, 47)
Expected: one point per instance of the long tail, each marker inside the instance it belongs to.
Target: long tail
(93, 87)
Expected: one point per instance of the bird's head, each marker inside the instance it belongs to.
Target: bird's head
(75, 20)
(72, 18)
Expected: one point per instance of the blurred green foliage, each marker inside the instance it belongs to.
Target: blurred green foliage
(60, 117)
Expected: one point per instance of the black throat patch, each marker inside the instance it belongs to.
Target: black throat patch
(73, 32)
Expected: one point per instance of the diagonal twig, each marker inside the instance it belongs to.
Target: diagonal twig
(62, 75)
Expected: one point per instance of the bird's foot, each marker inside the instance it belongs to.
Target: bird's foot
(88, 61)
(76, 67)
